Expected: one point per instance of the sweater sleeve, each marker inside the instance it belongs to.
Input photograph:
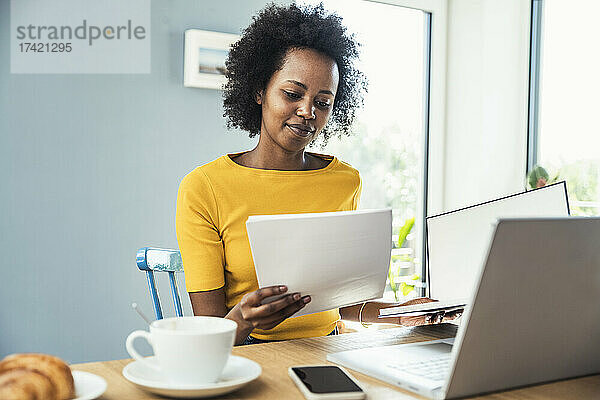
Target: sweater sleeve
(198, 236)
(357, 193)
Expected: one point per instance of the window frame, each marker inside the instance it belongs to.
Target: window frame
(535, 74)
(434, 115)
(535, 49)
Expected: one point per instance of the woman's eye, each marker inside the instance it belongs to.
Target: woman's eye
(292, 95)
(323, 104)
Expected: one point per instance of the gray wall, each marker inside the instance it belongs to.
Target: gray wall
(89, 170)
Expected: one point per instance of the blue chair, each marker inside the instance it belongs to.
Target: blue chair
(153, 259)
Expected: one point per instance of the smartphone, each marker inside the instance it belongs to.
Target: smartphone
(326, 382)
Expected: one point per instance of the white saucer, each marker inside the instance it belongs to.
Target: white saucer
(88, 386)
(238, 372)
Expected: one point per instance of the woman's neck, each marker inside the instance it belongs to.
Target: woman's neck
(262, 159)
(269, 155)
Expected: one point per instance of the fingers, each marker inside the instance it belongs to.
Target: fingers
(269, 315)
(435, 318)
(453, 315)
(255, 298)
(439, 317)
(276, 306)
(275, 319)
(430, 319)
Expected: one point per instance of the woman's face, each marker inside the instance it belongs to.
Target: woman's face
(298, 99)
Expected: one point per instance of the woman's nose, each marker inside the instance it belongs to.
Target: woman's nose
(306, 111)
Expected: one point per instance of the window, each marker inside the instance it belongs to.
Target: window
(564, 130)
(389, 145)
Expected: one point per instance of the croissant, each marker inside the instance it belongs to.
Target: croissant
(35, 376)
(21, 384)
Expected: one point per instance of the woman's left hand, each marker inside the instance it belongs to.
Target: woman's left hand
(427, 319)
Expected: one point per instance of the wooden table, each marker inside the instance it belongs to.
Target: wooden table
(275, 358)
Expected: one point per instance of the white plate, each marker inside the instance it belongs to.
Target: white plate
(88, 386)
(238, 372)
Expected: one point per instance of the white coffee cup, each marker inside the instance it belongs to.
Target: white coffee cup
(188, 350)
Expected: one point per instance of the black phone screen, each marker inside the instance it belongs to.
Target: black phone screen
(325, 379)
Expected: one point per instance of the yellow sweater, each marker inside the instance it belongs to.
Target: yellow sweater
(213, 204)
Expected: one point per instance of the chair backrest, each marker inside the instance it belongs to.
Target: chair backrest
(153, 259)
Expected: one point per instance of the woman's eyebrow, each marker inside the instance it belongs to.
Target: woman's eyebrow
(302, 85)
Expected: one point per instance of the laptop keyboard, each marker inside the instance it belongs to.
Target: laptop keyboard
(435, 368)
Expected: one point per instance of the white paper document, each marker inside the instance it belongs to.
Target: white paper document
(338, 258)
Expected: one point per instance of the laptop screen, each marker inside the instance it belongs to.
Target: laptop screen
(458, 241)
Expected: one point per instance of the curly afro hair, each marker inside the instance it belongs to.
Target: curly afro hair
(261, 51)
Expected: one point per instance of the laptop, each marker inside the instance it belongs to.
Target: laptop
(533, 317)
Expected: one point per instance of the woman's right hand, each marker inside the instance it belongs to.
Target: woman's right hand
(250, 313)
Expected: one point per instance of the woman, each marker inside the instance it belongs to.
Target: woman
(291, 79)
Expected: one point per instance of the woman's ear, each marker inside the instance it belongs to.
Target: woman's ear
(258, 97)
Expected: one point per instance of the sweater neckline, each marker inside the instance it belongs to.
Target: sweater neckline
(333, 162)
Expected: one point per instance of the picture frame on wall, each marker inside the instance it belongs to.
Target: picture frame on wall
(204, 58)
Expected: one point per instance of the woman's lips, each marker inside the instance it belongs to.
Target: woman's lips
(300, 132)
